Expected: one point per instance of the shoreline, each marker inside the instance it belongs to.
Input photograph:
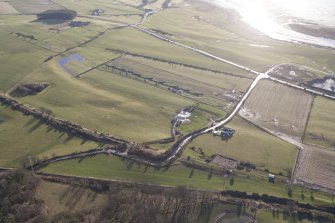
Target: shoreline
(279, 32)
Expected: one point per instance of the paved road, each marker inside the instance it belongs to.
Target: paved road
(184, 141)
(303, 88)
(237, 65)
(239, 105)
(145, 16)
(196, 50)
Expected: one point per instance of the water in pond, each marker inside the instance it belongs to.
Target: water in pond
(64, 61)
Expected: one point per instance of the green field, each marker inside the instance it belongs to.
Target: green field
(205, 86)
(321, 126)
(109, 167)
(33, 7)
(100, 100)
(27, 56)
(249, 144)
(84, 7)
(21, 136)
(265, 216)
(230, 38)
(141, 109)
(147, 45)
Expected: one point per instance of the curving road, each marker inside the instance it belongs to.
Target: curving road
(180, 144)
(239, 105)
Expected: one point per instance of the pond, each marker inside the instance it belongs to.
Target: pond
(64, 61)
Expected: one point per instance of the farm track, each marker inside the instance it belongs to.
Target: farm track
(178, 147)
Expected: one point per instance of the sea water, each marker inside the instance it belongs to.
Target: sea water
(271, 16)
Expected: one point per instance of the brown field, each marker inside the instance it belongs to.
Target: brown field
(278, 108)
(6, 8)
(316, 167)
(225, 162)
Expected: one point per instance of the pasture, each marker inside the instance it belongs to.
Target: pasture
(85, 7)
(227, 36)
(24, 57)
(316, 166)
(105, 101)
(278, 108)
(34, 7)
(109, 167)
(249, 144)
(321, 125)
(21, 136)
(146, 45)
(204, 86)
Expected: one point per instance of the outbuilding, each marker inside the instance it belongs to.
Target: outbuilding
(272, 178)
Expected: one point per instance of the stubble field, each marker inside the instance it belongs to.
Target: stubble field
(278, 108)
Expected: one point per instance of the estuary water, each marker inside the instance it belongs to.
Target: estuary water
(271, 16)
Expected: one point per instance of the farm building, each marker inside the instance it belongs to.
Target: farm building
(97, 12)
(224, 132)
(272, 178)
(183, 116)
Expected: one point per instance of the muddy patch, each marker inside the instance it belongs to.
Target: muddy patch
(292, 73)
(225, 162)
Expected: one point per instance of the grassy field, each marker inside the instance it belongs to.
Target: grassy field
(278, 108)
(68, 198)
(23, 58)
(100, 100)
(321, 125)
(228, 37)
(147, 45)
(109, 167)
(250, 144)
(33, 7)
(178, 72)
(84, 7)
(266, 216)
(204, 86)
(21, 136)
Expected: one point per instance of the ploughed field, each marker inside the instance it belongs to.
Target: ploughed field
(72, 62)
(6, 8)
(316, 167)
(278, 108)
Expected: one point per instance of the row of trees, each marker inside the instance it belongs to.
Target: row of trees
(173, 62)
